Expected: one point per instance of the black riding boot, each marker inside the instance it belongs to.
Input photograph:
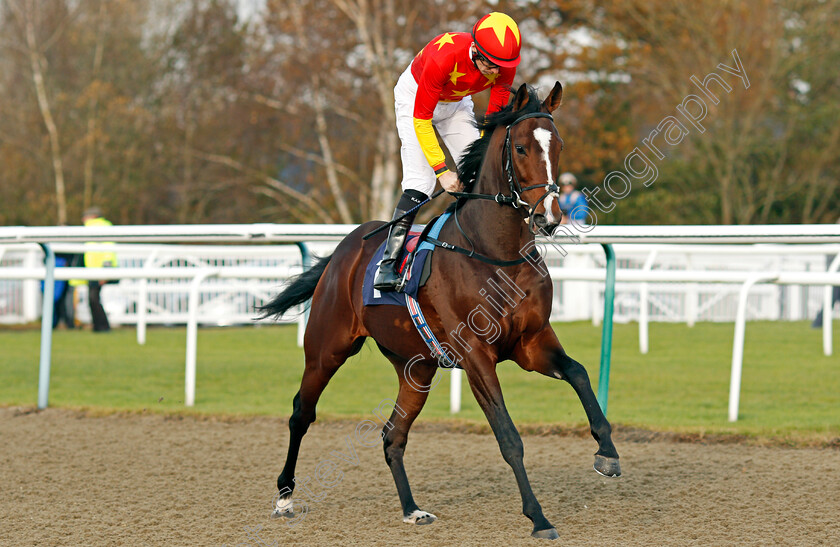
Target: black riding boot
(388, 276)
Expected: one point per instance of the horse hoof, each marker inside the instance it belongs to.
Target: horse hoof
(548, 533)
(419, 517)
(284, 508)
(608, 467)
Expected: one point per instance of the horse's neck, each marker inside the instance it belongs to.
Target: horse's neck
(499, 231)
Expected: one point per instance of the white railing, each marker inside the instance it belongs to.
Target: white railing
(694, 235)
(224, 301)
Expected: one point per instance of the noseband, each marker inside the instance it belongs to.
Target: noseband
(516, 190)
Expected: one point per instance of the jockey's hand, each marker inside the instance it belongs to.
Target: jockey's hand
(449, 182)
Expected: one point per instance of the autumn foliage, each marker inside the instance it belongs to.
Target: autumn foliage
(209, 111)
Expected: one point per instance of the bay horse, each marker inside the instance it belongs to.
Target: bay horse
(508, 177)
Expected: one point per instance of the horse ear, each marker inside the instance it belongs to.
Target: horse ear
(521, 99)
(554, 98)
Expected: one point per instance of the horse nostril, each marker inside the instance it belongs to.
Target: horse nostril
(540, 221)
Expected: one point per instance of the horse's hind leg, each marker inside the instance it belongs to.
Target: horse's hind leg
(322, 361)
(415, 385)
(544, 354)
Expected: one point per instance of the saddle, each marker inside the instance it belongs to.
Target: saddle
(414, 267)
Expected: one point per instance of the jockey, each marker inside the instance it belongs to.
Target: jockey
(434, 93)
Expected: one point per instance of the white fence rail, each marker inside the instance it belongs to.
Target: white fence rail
(783, 265)
(162, 300)
(227, 301)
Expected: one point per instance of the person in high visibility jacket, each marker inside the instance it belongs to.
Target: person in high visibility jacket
(435, 92)
(97, 259)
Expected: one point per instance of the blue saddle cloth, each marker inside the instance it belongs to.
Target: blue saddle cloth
(372, 297)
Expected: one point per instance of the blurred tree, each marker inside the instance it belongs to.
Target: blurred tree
(180, 111)
(32, 32)
(763, 155)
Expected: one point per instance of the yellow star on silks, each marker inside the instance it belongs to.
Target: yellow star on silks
(445, 39)
(491, 78)
(500, 22)
(454, 75)
(462, 93)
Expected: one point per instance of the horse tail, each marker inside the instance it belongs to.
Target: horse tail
(301, 289)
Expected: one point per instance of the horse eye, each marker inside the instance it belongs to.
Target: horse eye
(520, 149)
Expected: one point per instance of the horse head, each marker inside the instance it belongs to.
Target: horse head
(531, 157)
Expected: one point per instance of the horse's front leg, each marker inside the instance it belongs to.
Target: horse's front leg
(543, 353)
(485, 386)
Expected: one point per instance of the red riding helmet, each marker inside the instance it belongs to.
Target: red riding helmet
(497, 37)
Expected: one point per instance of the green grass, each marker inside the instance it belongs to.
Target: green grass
(790, 390)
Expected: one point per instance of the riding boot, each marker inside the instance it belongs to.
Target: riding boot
(388, 275)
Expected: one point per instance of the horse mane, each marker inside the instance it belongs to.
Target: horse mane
(470, 164)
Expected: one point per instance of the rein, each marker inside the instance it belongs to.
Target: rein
(534, 255)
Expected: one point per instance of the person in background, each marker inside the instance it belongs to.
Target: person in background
(63, 310)
(434, 92)
(97, 259)
(572, 201)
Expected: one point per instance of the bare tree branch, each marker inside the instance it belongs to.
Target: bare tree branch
(321, 128)
(46, 113)
(271, 182)
(90, 140)
(303, 154)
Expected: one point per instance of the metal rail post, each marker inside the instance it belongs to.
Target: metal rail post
(142, 300)
(643, 304)
(607, 328)
(46, 327)
(192, 335)
(738, 342)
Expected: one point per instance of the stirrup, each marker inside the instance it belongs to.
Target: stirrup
(402, 278)
(391, 285)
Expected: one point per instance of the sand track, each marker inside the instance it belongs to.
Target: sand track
(71, 479)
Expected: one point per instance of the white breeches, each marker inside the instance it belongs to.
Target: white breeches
(454, 122)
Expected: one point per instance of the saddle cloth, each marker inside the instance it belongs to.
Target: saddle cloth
(416, 258)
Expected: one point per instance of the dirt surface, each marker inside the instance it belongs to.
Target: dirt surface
(71, 479)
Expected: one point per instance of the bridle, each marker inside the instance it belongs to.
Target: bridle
(516, 190)
(514, 200)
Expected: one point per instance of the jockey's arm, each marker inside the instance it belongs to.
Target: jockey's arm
(500, 92)
(429, 89)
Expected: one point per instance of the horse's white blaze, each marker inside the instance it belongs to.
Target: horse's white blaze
(543, 136)
(549, 201)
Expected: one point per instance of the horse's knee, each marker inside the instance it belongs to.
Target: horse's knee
(393, 447)
(300, 420)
